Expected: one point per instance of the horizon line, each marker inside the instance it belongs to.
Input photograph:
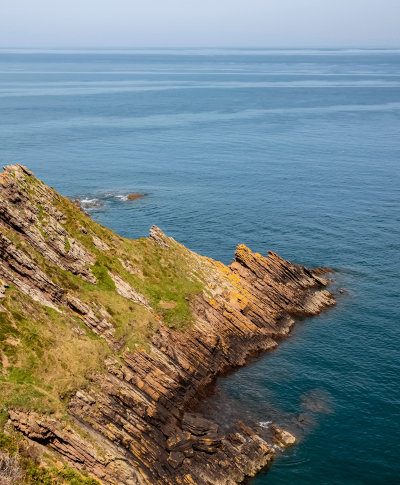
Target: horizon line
(122, 48)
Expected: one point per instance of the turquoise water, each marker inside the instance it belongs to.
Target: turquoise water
(293, 151)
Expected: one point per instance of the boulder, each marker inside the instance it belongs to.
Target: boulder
(282, 438)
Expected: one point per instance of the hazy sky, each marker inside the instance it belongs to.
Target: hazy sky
(199, 23)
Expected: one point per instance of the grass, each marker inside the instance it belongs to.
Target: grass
(165, 271)
(41, 213)
(45, 236)
(43, 361)
(36, 474)
(47, 356)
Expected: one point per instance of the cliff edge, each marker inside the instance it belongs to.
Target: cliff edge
(105, 340)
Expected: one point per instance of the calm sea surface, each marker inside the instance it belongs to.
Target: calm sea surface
(293, 151)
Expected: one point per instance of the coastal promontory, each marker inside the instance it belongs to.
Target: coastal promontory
(105, 342)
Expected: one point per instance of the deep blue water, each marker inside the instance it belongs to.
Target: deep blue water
(293, 151)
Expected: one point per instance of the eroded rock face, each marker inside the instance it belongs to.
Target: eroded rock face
(107, 464)
(159, 237)
(3, 288)
(145, 400)
(125, 289)
(32, 214)
(100, 244)
(136, 413)
(18, 269)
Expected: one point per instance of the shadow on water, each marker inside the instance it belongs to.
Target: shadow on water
(235, 397)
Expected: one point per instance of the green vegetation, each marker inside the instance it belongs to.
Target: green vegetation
(8, 444)
(45, 355)
(32, 180)
(41, 213)
(67, 245)
(162, 274)
(36, 474)
(46, 236)
(43, 360)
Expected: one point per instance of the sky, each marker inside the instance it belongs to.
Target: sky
(199, 23)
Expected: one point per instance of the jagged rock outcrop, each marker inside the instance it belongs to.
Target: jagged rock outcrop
(282, 438)
(100, 244)
(98, 326)
(145, 399)
(3, 288)
(136, 412)
(125, 289)
(159, 237)
(103, 461)
(17, 268)
(32, 214)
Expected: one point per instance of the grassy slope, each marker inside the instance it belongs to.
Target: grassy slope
(162, 274)
(46, 356)
(44, 360)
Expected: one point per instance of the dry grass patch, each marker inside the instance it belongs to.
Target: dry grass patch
(51, 361)
(11, 472)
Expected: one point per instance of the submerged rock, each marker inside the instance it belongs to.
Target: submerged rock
(135, 196)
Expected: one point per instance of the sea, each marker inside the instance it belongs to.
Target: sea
(294, 151)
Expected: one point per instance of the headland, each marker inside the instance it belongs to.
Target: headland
(105, 341)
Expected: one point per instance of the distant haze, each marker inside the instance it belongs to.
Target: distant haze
(200, 23)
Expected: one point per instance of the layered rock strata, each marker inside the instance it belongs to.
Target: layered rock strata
(135, 413)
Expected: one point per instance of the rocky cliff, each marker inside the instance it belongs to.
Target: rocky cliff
(105, 341)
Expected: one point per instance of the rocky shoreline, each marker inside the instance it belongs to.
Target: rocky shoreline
(130, 425)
